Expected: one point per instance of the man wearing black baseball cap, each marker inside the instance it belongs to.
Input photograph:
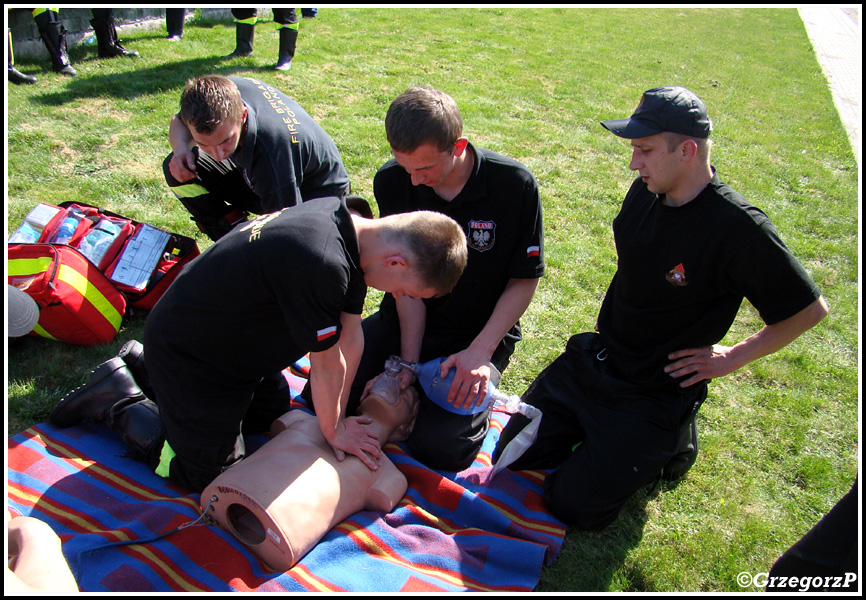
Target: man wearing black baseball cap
(672, 109)
(665, 118)
(619, 404)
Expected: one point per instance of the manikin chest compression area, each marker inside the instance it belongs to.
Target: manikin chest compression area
(281, 500)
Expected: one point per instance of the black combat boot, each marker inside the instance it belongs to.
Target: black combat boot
(17, 77)
(244, 34)
(288, 41)
(108, 384)
(53, 35)
(112, 396)
(138, 424)
(132, 354)
(106, 39)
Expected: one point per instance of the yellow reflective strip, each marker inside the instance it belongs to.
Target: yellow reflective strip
(250, 21)
(288, 26)
(39, 331)
(80, 283)
(165, 456)
(190, 190)
(28, 266)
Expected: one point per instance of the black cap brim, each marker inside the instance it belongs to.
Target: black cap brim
(631, 129)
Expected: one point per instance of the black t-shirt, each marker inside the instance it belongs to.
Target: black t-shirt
(682, 273)
(264, 294)
(286, 156)
(499, 209)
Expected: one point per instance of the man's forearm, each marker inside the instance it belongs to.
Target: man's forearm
(327, 374)
(179, 137)
(412, 314)
(772, 338)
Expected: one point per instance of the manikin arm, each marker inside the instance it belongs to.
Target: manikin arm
(388, 489)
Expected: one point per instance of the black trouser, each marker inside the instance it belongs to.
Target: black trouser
(828, 551)
(174, 21)
(205, 411)
(605, 437)
(283, 16)
(218, 197)
(440, 439)
(206, 432)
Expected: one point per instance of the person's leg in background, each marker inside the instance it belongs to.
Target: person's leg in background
(245, 31)
(53, 35)
(287, 26)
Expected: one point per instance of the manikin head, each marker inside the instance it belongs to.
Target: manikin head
(398, 416)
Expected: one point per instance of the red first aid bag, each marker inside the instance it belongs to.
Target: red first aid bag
(87, 267)
(77, 302)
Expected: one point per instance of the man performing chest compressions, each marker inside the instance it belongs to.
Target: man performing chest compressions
(256, 301)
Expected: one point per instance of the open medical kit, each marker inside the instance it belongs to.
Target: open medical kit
(87, 267)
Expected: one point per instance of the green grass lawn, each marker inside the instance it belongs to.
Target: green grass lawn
(779, 439)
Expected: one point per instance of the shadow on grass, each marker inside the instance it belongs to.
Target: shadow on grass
(597, 561)
(145, 81)
(41, 371)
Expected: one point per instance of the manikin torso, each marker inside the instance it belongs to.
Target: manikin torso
(286, 496)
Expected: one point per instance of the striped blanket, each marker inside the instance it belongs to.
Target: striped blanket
(450, 532)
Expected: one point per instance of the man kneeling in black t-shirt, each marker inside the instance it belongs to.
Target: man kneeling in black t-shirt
(241, 146)
(269, 292)
(619, 404)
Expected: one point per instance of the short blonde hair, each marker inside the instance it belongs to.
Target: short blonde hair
(435, 243)
(703, 144)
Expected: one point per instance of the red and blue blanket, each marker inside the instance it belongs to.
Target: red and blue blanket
(450, 532)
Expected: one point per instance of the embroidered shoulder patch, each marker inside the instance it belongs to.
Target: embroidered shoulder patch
(677, 276)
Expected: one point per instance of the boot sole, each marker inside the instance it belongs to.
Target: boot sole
(104, 370)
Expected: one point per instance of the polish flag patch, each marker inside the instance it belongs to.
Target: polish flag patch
(533, 251)
(325, 333)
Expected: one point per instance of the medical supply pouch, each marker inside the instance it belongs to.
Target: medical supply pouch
(125, 259)
(77, 303)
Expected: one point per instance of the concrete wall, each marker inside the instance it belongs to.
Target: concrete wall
(27, 43)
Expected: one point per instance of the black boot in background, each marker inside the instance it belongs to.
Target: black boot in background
(16, 76)
(53, 35)
(244, 35)
(106, 39)
(288, 41)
